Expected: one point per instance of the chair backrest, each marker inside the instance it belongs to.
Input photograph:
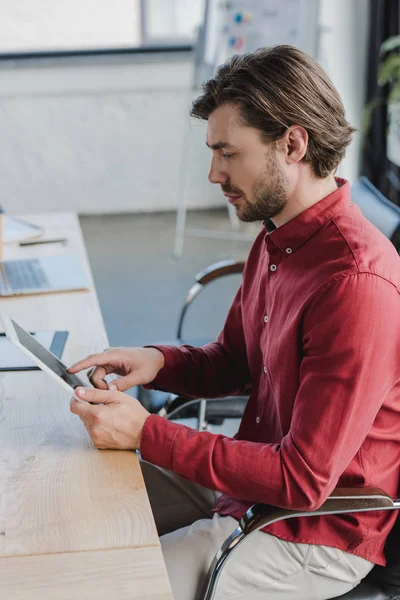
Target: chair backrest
(376, 208)
(389, 577)
(392, 548)
(386, 217)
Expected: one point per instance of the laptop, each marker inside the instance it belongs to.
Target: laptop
(41, 276)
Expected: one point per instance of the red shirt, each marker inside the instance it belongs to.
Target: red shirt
(315, 331)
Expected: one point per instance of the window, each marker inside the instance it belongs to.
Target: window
(167, 22)
(36, 26)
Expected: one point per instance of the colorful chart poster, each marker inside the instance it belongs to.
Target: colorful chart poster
(240, 26)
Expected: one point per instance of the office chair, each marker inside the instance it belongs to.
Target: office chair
(376, 208)
(210, 411)
(382, 583)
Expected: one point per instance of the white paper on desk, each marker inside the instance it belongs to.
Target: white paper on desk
(11, 357)
(15, 230)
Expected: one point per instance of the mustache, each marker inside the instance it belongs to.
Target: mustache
(227, 189)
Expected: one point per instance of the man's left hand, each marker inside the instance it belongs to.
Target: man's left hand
(114, 420)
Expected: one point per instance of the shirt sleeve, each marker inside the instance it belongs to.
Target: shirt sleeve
(214, 370)
(350, 363)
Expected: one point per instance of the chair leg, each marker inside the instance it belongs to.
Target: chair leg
(229, 545)
(202, 422)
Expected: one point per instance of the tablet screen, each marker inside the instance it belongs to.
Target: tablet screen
(46, 357)
(12, 359)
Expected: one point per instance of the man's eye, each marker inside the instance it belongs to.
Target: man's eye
(227, 155)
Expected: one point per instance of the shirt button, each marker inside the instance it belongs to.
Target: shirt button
(257, 419)
(289, 250)
(266, 319)
(265, 369)
(273, 267)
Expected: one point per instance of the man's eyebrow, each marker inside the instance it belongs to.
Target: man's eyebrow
(218, 145)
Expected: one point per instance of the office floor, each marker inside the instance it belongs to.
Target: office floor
(141, 287)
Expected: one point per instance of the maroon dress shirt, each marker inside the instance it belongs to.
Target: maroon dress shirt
(314, 334)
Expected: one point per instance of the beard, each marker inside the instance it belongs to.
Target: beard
(269, 194)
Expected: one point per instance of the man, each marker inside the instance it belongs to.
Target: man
(314, 332)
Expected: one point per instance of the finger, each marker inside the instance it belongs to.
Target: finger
(134, 378)
(96, 396)
(80, 409)
(124, 383)
(94, 360)
(96, 378)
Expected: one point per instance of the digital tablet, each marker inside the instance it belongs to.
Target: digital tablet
(12, 359)
(42, 357)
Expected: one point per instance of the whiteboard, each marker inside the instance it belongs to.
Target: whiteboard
(241, 26)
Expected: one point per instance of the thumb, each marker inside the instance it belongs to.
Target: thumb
(95, 396)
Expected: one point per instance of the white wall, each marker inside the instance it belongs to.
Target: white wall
(343, 54)
(108, 135)
(97, 137)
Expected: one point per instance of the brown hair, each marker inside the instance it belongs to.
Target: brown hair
(275, 88)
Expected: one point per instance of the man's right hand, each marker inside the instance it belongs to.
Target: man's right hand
(137, 366)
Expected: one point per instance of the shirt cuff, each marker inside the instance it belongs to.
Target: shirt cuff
(172, 358)
(157, 441)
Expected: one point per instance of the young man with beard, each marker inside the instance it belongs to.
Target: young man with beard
(314, 332)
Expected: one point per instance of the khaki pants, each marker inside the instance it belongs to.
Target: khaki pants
(262, 568)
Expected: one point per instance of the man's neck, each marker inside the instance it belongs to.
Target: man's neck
(305, 195)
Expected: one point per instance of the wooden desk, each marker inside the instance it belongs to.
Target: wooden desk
(75, 522)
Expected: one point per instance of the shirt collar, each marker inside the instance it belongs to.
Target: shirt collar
(269, 225)
(297, 231)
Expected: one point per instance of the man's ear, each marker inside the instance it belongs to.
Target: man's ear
(296, 141)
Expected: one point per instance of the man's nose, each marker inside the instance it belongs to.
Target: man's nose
(217, 175)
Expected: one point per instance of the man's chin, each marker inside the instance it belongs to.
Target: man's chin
(245, 216)
(249, 214)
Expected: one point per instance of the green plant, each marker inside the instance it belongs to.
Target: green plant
(388, 74)
(389, 69)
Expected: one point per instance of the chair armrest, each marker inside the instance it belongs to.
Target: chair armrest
(214, 271)
(220, 269)
(175, 403)
(342, 500)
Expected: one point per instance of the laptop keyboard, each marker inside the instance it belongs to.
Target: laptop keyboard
(25, 275)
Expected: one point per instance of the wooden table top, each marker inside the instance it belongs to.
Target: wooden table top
(74, 521)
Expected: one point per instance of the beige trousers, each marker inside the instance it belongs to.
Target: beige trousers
(262, 568)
